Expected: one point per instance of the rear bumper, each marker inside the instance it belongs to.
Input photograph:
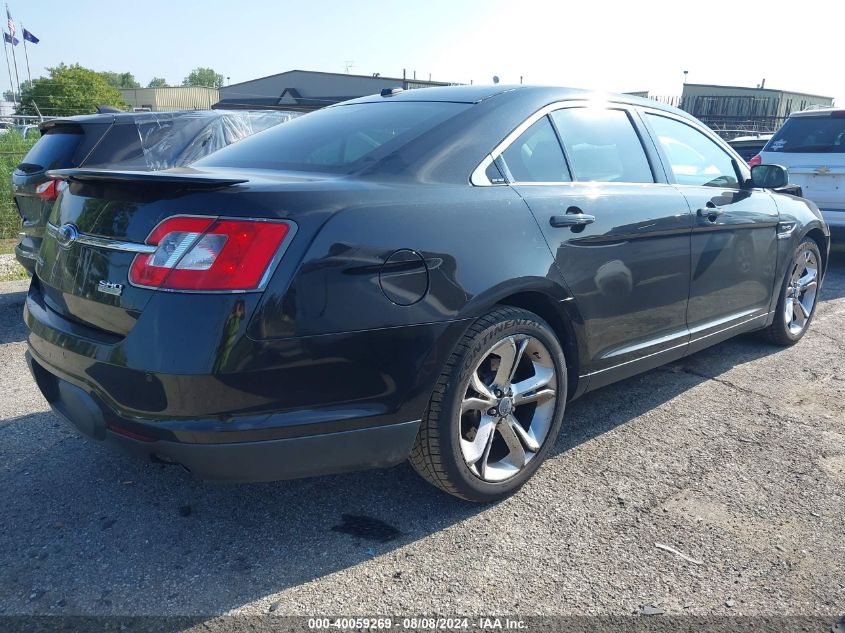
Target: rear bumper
(243, 461)
(26, 254)
(291, 408)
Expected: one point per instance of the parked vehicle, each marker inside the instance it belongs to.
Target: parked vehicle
(128, 140)
(811, 144)
(749, 146)
(430, 274)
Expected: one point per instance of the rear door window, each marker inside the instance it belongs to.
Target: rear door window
(693, 158)
(810, 134)
(536, 155)
(602, 145)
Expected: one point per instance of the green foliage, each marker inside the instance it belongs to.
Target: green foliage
(157, 82)
(120, 80)
(13, 147)
(204, 77)
(25, 85)
(69, 90)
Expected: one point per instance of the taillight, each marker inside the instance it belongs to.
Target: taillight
(756, 160)
(208, 254)
(47, 190)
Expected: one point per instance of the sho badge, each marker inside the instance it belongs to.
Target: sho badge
(109, 288)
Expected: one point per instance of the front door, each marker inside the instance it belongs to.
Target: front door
(620, 239)
(734, 237)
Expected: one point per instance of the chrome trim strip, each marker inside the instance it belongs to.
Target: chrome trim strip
(105, 242)
(689, 342)
(479, 178)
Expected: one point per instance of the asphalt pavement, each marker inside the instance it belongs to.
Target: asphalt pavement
(711, 486)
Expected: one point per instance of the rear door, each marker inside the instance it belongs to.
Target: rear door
(620, 236)
(734, 236)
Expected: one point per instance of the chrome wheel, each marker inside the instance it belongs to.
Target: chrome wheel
(801, 291)
(508, 408)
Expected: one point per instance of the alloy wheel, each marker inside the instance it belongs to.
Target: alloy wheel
(508, 408)
(801, 291)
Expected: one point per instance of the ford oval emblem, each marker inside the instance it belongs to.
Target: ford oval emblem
(66, 235)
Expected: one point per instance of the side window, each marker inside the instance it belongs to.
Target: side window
(693, 158)
(602, 145)
(536, 155)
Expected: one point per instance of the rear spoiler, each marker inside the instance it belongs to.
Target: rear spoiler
(192, 179)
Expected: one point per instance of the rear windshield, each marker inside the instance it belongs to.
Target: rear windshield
(808, 134)
(340, 139)
(53, 151)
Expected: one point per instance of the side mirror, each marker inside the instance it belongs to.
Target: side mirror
(769, 176)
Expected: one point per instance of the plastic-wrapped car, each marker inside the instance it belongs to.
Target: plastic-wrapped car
(146, 141)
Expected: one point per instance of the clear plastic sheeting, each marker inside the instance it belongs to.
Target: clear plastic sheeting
(161, 140)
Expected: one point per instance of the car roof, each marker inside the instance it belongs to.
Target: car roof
(819, 112)
(755, 137)
(476, 94)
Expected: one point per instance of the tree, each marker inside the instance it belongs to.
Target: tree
(120, 80)
(157, 82)
(7, 95)
(67, 91)
(204, 77)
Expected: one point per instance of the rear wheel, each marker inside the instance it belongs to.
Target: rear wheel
(798, 296)
(496, 409)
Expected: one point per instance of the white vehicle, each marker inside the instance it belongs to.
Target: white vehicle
(811, 145)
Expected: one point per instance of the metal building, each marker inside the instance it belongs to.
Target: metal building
(732, 110)
(310, 90)
(172, 98)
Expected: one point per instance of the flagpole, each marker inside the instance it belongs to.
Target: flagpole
(14, 57)
(26, 54)
(9, 68)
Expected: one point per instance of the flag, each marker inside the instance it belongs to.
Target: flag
(29, 37)
(10, 39)
(10, 22)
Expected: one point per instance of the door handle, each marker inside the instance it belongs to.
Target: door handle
(572, 220)
(710, 211)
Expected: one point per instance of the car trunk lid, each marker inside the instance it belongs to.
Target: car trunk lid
(94, 233)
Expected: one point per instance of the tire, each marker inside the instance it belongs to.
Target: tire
(466, 418)
(797, 305)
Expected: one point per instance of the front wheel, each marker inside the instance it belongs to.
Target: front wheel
(496, 408)
(798, 296)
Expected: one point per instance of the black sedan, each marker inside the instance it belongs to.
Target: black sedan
(430, 274)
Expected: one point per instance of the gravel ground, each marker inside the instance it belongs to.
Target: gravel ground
(735, 457)
(9, 267)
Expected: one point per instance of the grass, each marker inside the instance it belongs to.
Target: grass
(13, 147)
(7, 245)
(16, 274)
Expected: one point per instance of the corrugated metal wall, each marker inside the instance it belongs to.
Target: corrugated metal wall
(176, 98)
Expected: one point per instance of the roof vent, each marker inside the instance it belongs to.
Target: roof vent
(389, 92)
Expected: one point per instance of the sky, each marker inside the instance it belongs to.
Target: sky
(596, 44)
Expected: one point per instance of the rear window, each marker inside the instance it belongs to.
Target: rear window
(809, 134)
(53, 151)
(339, 139)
